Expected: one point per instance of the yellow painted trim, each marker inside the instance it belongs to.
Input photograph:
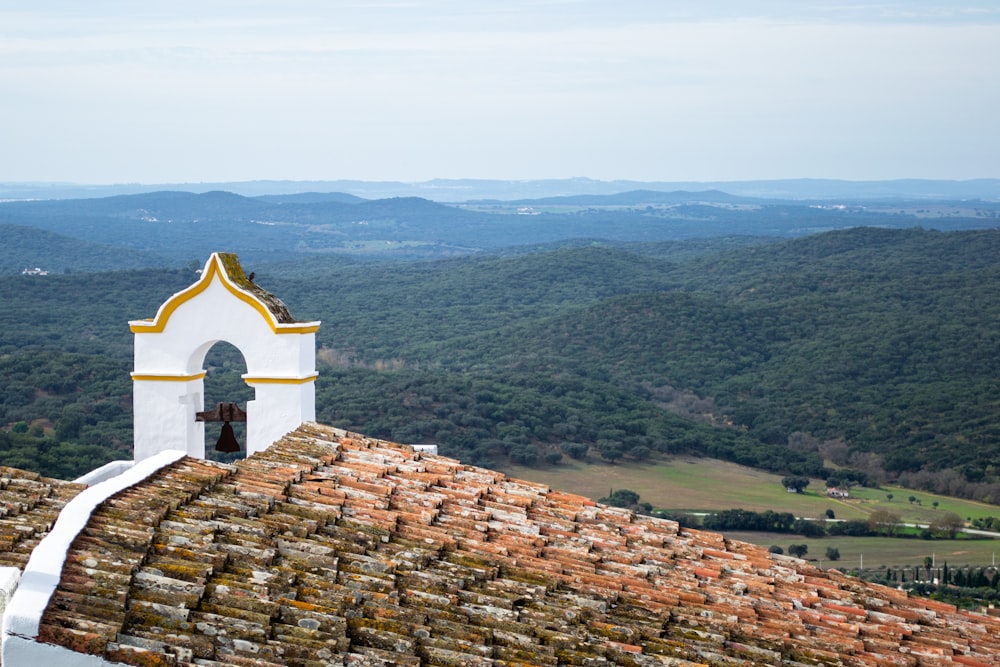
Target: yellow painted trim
(308, 328)
(159, 323)
(168, 378)
(273, 380)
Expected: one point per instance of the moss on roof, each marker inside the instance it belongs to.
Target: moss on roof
(29, 506)
(333, 548)
(234, 270)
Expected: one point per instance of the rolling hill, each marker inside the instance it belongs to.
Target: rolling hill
(180, 227)
(870, 350)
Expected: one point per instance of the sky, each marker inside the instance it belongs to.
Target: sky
(118, 91)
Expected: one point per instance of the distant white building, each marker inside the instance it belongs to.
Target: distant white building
(34, 272)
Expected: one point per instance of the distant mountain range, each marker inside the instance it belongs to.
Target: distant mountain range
(174, 228)
(462, 190)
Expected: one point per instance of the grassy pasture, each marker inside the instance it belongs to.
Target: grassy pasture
(697, 485)
(875, 552)
(700, 485)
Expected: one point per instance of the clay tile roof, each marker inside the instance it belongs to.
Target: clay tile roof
(332, 548)
(29, 506)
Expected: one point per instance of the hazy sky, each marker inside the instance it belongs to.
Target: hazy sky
(106, 91)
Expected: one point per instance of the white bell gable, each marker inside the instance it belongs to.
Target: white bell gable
(170, 348)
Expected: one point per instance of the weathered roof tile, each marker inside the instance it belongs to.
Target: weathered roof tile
(335, 548)
(29, 506)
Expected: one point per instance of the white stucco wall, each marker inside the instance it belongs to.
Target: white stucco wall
(170, 351)
(106, 471)
(216, 314)
(277, 409)
(9, 578)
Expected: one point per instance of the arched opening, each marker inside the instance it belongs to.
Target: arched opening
(225, 365)
(277, 353)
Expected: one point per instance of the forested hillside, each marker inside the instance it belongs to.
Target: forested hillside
(29, 247)
(175, 228)
(872, 349)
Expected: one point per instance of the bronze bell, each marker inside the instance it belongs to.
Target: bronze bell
(224, 412)
(227, 440)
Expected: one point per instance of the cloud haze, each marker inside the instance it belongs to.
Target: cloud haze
(410, 90)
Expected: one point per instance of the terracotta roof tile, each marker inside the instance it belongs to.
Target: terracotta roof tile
(29, 506)
(336, 548)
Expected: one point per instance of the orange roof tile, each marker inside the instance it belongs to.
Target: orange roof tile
(29, 506)
(334, 548)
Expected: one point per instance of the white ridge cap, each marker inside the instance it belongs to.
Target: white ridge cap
(42, 573)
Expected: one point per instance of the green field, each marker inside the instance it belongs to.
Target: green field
(877, 552)
(691, 484)
(701, 485)
(696, 484)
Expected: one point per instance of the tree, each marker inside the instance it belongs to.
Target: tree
(69, 424)
(575, 450)
(888, 497)
(832, 553)
(775, 549)
(850, 528)
(552, 457)
(621, 498)
(796, 484)
(949, 524)
(640, 453)
(798, 550)
(807, 528)
(884, 521)
(830, 514)
(525, 455)
(611, 451)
